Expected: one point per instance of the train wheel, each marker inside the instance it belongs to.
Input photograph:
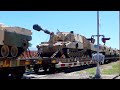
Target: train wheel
(36, 68)
(106, 61)
(14, 51)
(4, 74)
(4, 51)
(17, 73)
(51, 68)
(101, 63)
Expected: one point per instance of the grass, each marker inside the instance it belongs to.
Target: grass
(114, 70)
(91, 71)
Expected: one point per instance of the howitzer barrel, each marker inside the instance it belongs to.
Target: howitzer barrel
(47, 32)
(38, 28)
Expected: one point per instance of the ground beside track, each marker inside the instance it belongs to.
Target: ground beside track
(108, 71)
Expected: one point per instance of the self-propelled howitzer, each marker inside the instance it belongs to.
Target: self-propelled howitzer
(63, 43)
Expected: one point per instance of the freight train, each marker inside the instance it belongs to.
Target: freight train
(67, 49)
(63, 50)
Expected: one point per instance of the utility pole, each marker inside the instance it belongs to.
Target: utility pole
(98, 67)
(119, 39)
(98, 76)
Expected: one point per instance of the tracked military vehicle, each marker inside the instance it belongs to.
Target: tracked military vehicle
(67, 43)
(71, 45)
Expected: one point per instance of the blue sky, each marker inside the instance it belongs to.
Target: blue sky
(82, 22)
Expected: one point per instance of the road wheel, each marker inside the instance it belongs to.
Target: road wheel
(14, 51)
(4, 51)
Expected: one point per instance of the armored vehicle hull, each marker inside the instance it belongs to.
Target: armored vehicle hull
(13, 41)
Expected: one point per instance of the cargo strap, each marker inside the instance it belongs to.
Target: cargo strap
(54, 54)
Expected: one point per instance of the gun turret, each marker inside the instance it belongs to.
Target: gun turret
(38, 28)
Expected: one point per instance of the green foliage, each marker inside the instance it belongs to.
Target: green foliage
(30, 45)
(91, 71)
(114, 70)
(105, 71)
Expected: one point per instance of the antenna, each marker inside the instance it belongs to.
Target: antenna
(58, 30)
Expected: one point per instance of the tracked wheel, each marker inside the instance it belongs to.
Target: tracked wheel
(4, 51)
(14, 51)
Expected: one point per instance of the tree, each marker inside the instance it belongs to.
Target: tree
(30, 45)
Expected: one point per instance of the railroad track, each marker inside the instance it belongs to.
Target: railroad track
(47, 75)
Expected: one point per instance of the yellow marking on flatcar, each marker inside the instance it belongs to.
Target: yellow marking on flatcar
(13, 63)
(6, 63)
(1, 63)
(27, 62)
(53, 61)
(39, 62)
(18, 62)
(22, 62)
